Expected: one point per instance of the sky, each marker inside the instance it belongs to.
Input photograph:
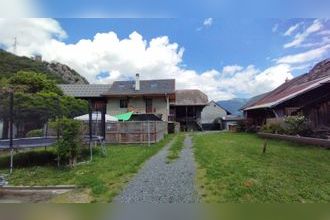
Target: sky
(224, 56)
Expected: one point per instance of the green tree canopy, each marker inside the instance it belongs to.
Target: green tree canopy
(31, 82)
(37, 100)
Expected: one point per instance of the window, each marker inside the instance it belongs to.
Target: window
(123, 103)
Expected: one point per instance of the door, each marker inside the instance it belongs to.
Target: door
(149, 105)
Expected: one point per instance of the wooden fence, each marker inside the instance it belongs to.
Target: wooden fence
(298, 139)
(135, 132)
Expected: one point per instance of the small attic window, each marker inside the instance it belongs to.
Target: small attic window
(154, 85)
(121, 86)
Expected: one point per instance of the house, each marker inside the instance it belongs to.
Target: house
(187, 108)
(156, 97)
(211, 116)
(141, 97)
(308, 94)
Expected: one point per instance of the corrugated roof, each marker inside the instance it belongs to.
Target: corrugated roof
(319, 75)
(190, 97)
(82, 91)
(154, 87)
(254, 100)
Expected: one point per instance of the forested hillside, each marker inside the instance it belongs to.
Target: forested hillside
(11, 64)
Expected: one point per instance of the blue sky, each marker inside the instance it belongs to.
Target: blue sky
(225, 42)
(228, 49)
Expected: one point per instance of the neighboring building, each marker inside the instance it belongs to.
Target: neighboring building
(211, 116)
(157, 97)
(308, 94)
(230, 122)
(187, 108)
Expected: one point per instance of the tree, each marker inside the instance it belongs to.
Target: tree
(37, 100)
(31, 82)
(68, 146)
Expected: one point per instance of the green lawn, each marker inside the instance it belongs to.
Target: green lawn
(232, 168)
(176, 148)
(99, 181)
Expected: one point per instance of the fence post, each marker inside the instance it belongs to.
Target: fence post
(11, 130)
(148, 133)
(90, 110)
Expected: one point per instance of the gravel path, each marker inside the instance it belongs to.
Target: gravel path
(159, 182)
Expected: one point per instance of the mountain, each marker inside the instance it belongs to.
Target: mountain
(233, 105)
(11, 64)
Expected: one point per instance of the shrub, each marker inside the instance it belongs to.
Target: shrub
(274, 128)
(292, 125)
(68, 146)
(297, 125)
(35, 133)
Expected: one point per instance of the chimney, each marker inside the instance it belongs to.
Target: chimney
(137, 82)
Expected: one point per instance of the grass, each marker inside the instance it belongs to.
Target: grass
(100, 180)
(232, 168)
(176, 148)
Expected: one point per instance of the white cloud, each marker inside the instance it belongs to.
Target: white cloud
(18, 8)
(122, 58)
(324, 32)
(208, 22)
(306, 56)
(301, 37)
(229, 70)
(292, 29)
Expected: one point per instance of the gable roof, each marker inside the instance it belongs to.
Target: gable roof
(254, 100)
(190, 97)
(317, 77)
(84, 91)
(147, 87)
(217, 104)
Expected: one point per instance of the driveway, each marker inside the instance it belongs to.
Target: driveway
(159, 182)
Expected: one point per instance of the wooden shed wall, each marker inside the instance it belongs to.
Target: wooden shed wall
(135, 132)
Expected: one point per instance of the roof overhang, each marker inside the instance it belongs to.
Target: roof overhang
(137, 95)
(291, 96)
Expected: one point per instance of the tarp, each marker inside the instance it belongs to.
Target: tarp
(96, 116)
(124, 117)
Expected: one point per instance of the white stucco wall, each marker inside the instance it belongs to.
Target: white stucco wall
(211, 112)
(137, 105)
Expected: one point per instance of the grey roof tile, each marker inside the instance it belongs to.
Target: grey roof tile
(81, 91)
(163, 86)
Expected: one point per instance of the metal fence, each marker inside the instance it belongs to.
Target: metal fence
(135, 132)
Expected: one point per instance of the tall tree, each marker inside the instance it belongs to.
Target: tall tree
(37, 100)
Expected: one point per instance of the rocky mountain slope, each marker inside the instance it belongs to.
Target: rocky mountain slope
(11, 64)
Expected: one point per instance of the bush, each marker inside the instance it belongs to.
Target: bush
(68, 146)
(273, 128)
(35, 133)
(297, 125)
(292, 125)
(30, 159)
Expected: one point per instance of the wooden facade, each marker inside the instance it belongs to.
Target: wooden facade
(135, 132)
(314, 105)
